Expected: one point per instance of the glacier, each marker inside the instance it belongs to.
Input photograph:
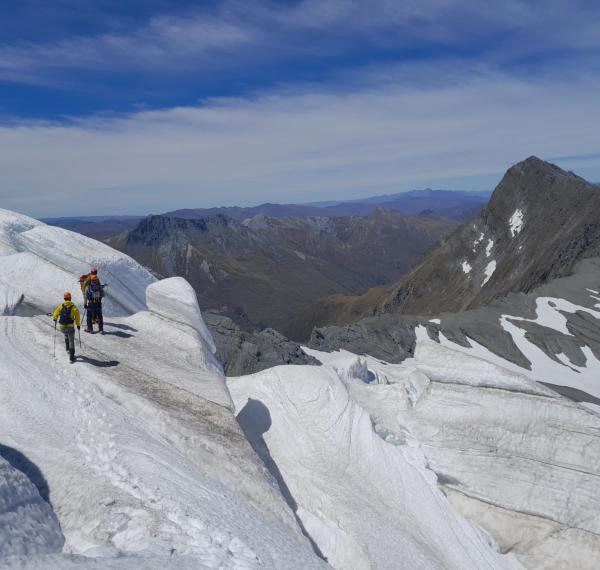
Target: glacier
(136, 442)
(404, 441)
(142, 455)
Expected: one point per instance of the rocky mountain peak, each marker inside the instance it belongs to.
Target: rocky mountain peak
(539, 222)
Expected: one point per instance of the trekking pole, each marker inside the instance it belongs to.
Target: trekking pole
(54, 350)
(79, 333)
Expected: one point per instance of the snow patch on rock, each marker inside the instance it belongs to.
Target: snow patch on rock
(489, 271)
(206, 268)
(478, 241)
(488, 247)
(516, 222)
(466, 267)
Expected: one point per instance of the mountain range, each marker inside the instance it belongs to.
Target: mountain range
(456, 205)
(265, 270)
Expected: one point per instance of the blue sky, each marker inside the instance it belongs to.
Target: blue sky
(113, 107)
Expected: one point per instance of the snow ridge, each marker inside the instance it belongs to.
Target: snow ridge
(137, 441)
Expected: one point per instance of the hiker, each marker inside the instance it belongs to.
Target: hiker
(84, 280)
(67, 315)
(93, 303)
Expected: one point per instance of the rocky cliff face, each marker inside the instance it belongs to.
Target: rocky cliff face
(246, 352)
(539, 222)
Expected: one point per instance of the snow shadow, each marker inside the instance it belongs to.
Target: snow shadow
(98, 363)
(255, 420)
(21, 463)
(119, 334)
(121, 326)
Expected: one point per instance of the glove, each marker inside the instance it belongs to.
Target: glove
(85, 306)
(78, 327)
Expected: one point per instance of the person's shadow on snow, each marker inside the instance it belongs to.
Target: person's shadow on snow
(120, 334)
(255, 420)
(98, 363)
(120, 326)
(21, 463)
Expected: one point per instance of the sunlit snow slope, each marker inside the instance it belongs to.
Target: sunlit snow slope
(386, 441)
(134, 446)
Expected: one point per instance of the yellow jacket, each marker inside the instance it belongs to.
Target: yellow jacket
(74, 314)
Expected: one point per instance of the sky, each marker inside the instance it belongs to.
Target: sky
(128, 107)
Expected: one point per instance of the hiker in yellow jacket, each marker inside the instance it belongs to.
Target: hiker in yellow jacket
(67, 315)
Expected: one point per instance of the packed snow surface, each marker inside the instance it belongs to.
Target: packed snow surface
(319, 427)
(489, 271)
(516, 222)
(513, 456)
(135, 444)
(38, 263)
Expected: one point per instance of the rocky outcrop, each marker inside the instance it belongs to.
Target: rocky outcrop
(245, 352)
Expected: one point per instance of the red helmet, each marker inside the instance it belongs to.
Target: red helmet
(94, 278)
(67, 296)
(94, 271)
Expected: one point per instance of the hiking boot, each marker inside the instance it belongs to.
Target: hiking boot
(72, 355)
(88, 330)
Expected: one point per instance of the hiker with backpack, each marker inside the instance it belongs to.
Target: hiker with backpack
(94, 293)
(67, 315)
(85, 279)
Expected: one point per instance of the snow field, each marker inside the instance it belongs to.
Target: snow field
(322, 429)
(42, 262)
(516, 458)
(137, 442)
(549, 313)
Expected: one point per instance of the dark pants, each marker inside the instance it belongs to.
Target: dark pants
(69, 338)
(94, 312)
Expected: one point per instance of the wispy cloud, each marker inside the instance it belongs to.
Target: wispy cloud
(238, 33)
(284, 147)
